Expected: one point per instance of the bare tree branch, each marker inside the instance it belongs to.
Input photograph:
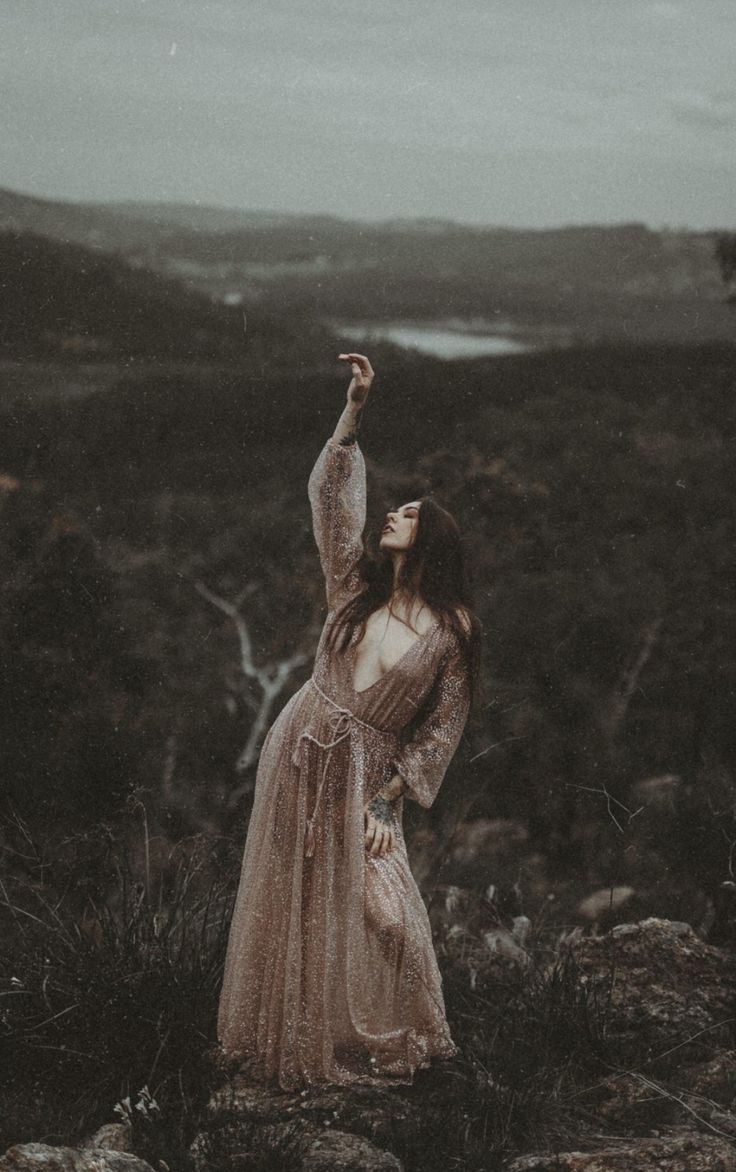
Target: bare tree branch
(270, 679)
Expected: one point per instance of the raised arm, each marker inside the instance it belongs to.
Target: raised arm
(337, 492)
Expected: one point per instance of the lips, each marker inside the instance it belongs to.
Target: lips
(388, 529)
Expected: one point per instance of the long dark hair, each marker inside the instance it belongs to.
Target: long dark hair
(435, 568)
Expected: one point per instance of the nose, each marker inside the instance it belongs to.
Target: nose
(392, 517)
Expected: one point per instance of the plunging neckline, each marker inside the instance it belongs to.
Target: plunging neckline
(399, 661)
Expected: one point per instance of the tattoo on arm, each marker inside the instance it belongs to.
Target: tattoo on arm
(382, 811)
(352, 435)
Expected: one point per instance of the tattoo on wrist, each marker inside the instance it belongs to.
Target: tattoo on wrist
(382, 810)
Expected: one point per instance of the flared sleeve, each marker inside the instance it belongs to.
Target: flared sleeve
(337, 495)
(424, 758)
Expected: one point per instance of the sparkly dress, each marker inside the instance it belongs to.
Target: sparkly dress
(330, 974)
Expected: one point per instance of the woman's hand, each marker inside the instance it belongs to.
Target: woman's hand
(346, 432)
(362, 377)
(380, 822)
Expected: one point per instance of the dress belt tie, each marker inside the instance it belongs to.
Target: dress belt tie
(339, 721)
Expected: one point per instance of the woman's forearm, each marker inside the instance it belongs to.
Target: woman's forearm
(346, 432)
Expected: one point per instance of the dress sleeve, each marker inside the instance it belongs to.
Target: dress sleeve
(337, 495)
(424, 758)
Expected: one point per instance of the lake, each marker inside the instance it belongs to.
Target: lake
(439, 341)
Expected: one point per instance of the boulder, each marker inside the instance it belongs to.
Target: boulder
(670, 995)
(340, 1151)
(321, 1128)
(384, 1117)
(682, 1152)
(46, 1158)
(113, 1136)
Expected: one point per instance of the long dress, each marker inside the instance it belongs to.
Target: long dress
(330, 974)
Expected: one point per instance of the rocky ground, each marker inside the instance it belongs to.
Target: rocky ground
(669, 996)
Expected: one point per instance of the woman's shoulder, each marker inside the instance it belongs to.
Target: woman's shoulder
(464, 620)
(451, 641)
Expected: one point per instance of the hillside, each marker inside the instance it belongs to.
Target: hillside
(69, 301)
(586, 283)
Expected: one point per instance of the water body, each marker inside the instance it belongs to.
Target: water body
(439, 341)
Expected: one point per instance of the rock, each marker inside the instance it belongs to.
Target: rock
(384, 1117)
(340, 1151)
(45, 1158)
(626, 1103)
(116, 1137)
(689, 1152)
(714, 1079)
(667, 993)
(314, 1129)
(226, 1145)
(603, 902)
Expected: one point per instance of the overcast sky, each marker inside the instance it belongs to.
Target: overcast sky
(519, 112)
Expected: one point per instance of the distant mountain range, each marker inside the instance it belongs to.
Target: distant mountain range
(572, 284)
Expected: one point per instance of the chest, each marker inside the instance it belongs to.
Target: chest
(386, 641)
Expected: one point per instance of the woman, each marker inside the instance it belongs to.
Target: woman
(330, 975)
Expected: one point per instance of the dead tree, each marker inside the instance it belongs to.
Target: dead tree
(270, 679)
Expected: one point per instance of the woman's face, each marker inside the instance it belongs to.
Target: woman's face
(400, 529)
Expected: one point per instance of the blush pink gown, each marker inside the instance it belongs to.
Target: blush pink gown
(330, 974)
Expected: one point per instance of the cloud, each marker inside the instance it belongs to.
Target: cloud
(705, 111)
(666, 10)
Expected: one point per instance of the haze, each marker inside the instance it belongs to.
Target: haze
(519, 112)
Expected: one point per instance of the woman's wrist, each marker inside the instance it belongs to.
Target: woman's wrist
(393, 790)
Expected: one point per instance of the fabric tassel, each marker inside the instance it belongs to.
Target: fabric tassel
(309, 840)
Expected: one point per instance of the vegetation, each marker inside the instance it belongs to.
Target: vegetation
(587, 283)
(109, 993)
(147, 508)
(65, 301)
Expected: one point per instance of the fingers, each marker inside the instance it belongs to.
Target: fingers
(379, 840)
(371, 826)
(360, 361)
(377, 848)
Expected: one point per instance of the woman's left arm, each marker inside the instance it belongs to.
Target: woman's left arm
(421, 764)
